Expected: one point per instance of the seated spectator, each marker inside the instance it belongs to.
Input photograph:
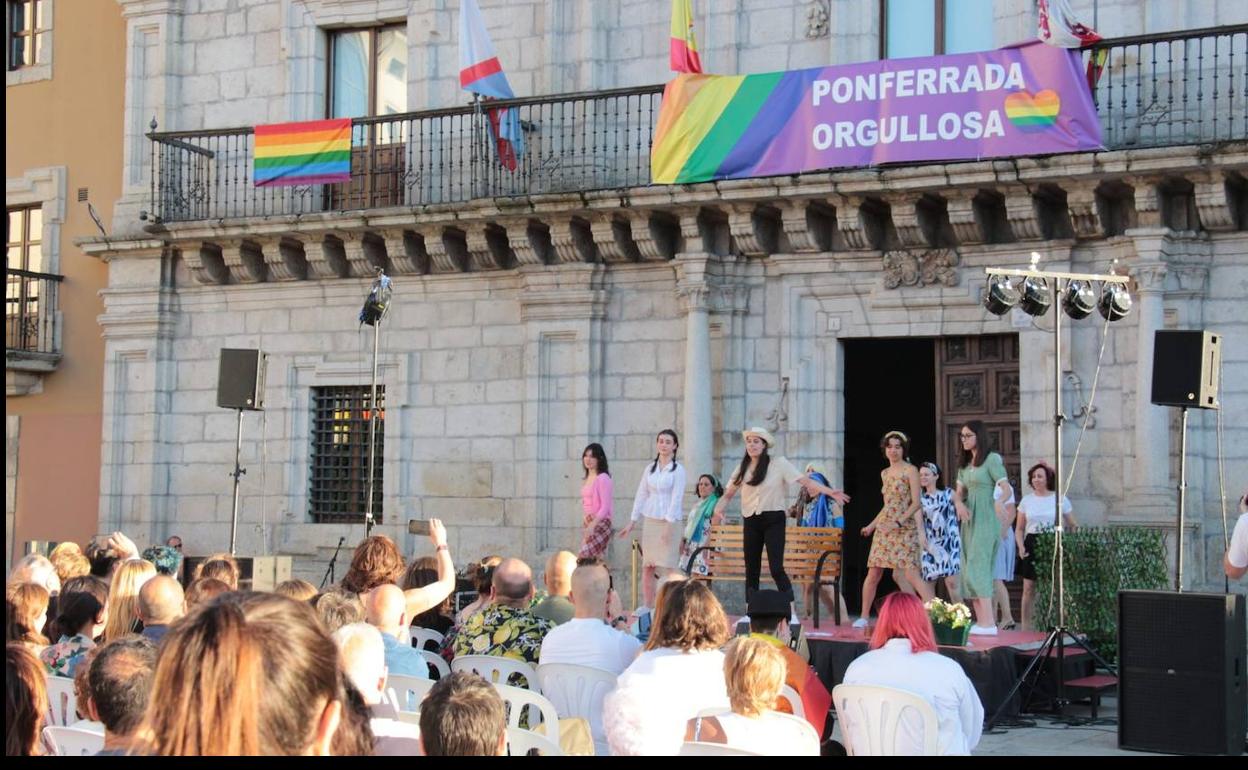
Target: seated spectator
(219, 566)
(26, 702)
(69, 561)
(643, 617)
(336, 608)
(161, 602)
(203, 591)
(363, 661)
(35, 568)
(680, 672)
(506, 627)
(105, 552)
(245, 675)
(903, 656)
(556, 607)
(123, 597)
(119, 684)
(26, 607)
(354, 736)
(754, 672)
(482, 576)
(299, 590)
(175, 543)
(377, 561)
(463, 716)
(769, 612)
(386, 610)
(82, 613)
(82, 694)
(424, 572)
(168, 561)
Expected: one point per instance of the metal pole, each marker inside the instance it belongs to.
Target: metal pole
(1178, 576)
(372, 437)
(1058, 418)
(237, 474)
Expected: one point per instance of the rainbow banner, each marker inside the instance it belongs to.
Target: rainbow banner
(314, 152)
(1029, 100)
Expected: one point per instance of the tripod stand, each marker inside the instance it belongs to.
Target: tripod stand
(1058, 633)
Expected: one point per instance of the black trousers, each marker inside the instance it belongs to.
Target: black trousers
(765, 528)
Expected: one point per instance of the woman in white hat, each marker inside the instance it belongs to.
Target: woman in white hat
(765, 482)
(660, 495)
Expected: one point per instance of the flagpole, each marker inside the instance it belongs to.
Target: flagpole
(476, 141)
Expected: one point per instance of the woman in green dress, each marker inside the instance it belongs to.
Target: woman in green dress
(979, 470)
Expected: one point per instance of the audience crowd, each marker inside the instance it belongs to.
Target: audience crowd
(208, 669)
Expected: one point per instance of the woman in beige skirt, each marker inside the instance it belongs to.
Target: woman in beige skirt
(659, 506)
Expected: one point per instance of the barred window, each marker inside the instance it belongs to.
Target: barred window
(340, 453)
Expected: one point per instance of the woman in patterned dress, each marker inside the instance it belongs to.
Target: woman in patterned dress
(979, 470)
(942, 558)
(596, 503)
(898, 527)
(698, 527)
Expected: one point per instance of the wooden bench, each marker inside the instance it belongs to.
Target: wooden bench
(811, 555)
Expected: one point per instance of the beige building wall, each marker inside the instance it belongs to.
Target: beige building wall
(71, 121)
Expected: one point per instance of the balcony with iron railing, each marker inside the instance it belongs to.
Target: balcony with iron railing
(32, 334)
(1166, 90)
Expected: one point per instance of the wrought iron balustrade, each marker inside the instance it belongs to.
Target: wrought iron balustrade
(1153, 91)
(30, 312)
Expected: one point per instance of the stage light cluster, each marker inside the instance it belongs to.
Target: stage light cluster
(1034, 295)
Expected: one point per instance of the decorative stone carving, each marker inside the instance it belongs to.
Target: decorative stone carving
(1022, 213)
(934, 267)
(487, 247)
(206, 263)
(572, 241)
(817, 18)
(405, 251)
(849, 221)
(754, 229)
(656, 235)
(244, 260)
(1213, 204)
(807, 225)
(960, 205)
(1150, 277)
(529, 241)
(1147, 202)
(1085, 214)
(613, 238)
(967, 392)
(441, 255)
(905, 212)
(286, 260)
(357, 258)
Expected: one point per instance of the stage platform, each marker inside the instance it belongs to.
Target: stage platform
(992, 663)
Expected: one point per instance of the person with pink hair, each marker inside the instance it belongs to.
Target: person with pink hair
(903, 655)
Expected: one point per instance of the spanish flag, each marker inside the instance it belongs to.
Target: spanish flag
(684, 47)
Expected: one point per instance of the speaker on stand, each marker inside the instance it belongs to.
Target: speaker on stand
(240, 386)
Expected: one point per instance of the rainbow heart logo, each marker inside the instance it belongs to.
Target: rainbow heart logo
(1033, 113)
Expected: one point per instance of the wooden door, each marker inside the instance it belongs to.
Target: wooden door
(977, 379)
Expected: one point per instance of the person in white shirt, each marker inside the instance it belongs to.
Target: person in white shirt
(364, 662)
(754, 672)
(1037, 512)
(903, 656)
(1005, 504)
(764, 484)
(680, 672)
(659, 505)
(587, 640)
(1235, 564)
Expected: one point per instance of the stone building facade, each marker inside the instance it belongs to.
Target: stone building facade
(526, 326)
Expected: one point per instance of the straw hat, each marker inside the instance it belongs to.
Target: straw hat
(762, 433)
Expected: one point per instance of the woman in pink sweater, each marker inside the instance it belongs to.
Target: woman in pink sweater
(596, 495)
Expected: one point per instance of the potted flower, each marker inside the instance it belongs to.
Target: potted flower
(951, 622)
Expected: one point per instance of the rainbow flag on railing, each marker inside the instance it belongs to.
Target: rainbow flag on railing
(313, 152)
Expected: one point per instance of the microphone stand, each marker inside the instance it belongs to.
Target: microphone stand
(329, 573)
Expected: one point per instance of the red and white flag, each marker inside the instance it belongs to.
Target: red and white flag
(1058, 26)
(481, 73)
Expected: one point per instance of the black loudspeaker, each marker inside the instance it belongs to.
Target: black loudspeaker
(1185, 368)
(1181, 659)
(240, 379)
(255, 573)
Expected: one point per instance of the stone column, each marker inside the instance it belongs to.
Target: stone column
(1152, 496)
(697, 441)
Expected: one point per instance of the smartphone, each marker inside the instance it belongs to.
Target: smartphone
(417, 527)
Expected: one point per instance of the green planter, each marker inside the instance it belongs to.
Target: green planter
(951, 637)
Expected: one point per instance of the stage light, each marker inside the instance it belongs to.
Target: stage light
(1079, 299)
(1000, 295)
(1036, 296)
(1115, 302)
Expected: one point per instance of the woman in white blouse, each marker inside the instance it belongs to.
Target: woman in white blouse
(1037, 512)
(764, 482)
(659, 501)
(903, 656)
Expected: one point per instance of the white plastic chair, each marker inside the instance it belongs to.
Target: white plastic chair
(795, 701)
(700, 749)
(811, 749)
(520, 742)
(493, 668)
(437, 661)
(406, 692)
(578, 691)
(519, 700)
(420, 636)
(73, 741)
(871, 720)
(62, 702)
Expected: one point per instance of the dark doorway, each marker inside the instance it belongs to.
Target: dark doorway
(890, 384)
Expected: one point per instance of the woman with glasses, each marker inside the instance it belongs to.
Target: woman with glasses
(979, 470)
